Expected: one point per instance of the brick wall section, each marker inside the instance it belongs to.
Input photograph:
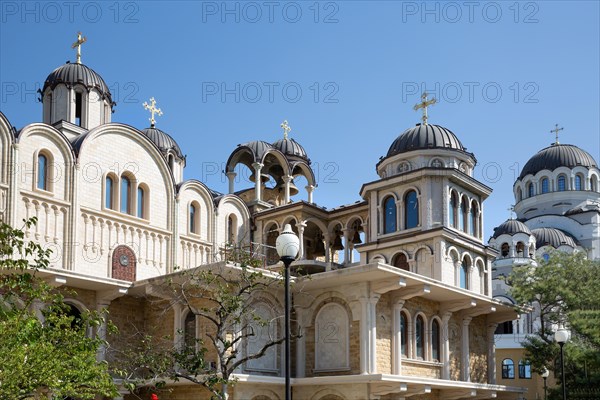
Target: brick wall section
(478, 348)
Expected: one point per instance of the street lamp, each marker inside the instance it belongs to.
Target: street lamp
(561, 336)
(287, 246)
(545, 374)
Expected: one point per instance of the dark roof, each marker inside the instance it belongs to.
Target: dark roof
(558, 155)
(290, 147)
(510, 227)
(71, 74)
(258, 148)
(425, 137)
(553, 237)
(163, 141)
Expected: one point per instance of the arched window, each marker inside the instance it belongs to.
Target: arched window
(546, 257)
(189, 330)
(545, 185)
(109, 193)
(464, 275)
(231, 229)
(411, 209)
(42, 172)
(403, 335)
(141, 198)
(562, 183)
(420, 337)
(78, 108)
(452, 210)
(463, 215)
(520, 249)
(504, 249)
(578, 182)
(401, 262)
(524, 369)
(508, 369)
(530, 189)
(125, 195)
(593, 184)
(389, 218)
(435, 340)
(473, 219)
(519, 194)
(193, 216)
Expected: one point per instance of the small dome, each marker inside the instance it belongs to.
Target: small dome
(511, 227)
(258, 148)
(163, 141)
(290, 147)
(553, 237)
(71, 74)
(425, 137)
(558, 155)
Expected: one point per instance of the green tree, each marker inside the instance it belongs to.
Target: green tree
(563, 290)
(44, 352)
(223, 296)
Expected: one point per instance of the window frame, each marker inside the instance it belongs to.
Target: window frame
(508, 369)
(391, 225)
(413, 214)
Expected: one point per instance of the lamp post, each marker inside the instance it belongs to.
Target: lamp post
(287, 245)
(561, 336)
(545, 374)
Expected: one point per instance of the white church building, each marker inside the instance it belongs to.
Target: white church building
(403, 277)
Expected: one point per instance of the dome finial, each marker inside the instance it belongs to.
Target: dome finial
(153, 110)
(555, 131)
(80, 40)
(424, 104)
(511, 209)
(286, 129)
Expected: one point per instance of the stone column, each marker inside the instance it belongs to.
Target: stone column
(327, 249)
(465, 367)
(309, 192)
(397, 338)
(258, 181)
(372, 319)
(301, 226)
(491, 330)
(446, 346)
(286, 193)
(347, 250)
(364, 335)
(231, 177)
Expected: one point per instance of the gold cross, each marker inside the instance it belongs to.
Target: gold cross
(424, 104)
(286, 129)
(153, 110)
(80, 40)
(555, 131)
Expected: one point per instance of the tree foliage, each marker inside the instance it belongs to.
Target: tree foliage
(223, 297)
(44, 352)
(563, 290)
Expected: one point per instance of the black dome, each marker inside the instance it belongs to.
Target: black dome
(425, 137)
(258, 148)
(163, 141)
(553, 237)
(558, 155)
(510, 227)
(290, 147)
(71, 74)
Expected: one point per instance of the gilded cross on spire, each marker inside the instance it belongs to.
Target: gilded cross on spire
(286, 129)
(80, 40)
(153, 110)
(424, 104)
(511, 209)
(555, 131)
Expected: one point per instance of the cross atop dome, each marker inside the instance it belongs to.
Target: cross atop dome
(153, 110)
(80, 40)
(424, 104)
(555, 131)
(286, 129)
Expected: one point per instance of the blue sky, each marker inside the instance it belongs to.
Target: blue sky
(345, 74)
